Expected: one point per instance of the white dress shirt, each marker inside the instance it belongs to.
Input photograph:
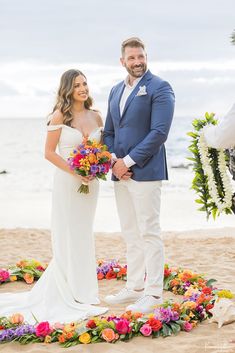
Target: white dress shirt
(223, 134)
(129, 162)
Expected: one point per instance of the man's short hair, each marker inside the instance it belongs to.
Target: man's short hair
(133, 42)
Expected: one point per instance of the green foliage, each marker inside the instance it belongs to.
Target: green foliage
(200, 180)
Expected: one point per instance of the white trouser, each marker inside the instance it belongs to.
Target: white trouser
(138, 205)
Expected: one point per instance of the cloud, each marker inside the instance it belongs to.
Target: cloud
(7, 89)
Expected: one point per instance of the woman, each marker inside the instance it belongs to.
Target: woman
(68, 288)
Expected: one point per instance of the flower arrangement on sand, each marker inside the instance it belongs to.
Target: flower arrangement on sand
(199, 296)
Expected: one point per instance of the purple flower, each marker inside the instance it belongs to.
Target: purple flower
(10, 334)
(199, 308)
(193, 297)
(94, 169)
(101, 169)
(186, 285)
(166, 314)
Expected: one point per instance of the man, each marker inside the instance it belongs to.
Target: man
(140, 112)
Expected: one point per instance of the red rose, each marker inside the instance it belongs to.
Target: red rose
(100, 275)
(123, 327)
(167, 272)
(91, 324)
(40, 268)
(155, 324)
(209, 306)
(76, 160)
(111, 274)
(43, 329)
(206, 290)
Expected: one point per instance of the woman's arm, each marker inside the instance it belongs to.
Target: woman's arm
(223, 134)
(51, 144)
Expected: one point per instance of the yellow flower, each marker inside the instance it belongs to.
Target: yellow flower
(191, 291)
(69, 327)
(13, 278)
(189, 305)
(85, 338)
(47, 339)
(191, 314)
(225, 294)
(151, 316)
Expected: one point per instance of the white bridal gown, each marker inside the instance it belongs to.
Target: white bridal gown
(69, 285)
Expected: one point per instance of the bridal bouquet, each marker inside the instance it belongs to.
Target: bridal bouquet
(90, 159)
(211, 180)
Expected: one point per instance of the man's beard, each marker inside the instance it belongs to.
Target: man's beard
(138, 74)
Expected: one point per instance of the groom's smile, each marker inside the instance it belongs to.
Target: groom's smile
(135, 61)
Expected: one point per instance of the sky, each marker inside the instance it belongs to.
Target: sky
(187, 42)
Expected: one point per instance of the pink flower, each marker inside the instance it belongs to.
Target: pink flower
(146, 330)
(123, 326)
(4, 275)
(187, 326)
(58, 326)
(43, 329)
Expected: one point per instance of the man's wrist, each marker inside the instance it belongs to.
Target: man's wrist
(113, 162)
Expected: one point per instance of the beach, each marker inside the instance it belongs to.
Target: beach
(207, 251)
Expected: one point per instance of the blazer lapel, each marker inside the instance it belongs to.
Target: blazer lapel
(118, 98)
(142, 82)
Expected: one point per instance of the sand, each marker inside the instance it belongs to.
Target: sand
(210, 251)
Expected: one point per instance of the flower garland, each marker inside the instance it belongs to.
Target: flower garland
(165, 320)
(222, 169)
(211, 181)
(31, 270)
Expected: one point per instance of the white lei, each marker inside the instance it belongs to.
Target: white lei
(227, 186)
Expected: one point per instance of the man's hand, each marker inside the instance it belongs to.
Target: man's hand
(127, 175)
(119, 168)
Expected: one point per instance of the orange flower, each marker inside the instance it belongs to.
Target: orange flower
(174, 283)
(176, 307)
(28, 278)
(201, 282)
(108, 335)
(69, 335)
(100, 275)
(105, 154)
(122, 272)
(137, 315)
(16, 319)
(92, 158)
(61, 338)
(22, 264)
(185, 276)
(110, 274)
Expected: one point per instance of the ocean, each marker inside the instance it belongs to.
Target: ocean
(26, 181)
(22, 153)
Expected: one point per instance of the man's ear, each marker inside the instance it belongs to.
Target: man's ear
(122, 61)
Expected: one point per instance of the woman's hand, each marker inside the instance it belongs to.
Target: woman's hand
(85, 179)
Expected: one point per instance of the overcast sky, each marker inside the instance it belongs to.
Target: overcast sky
(187, 42)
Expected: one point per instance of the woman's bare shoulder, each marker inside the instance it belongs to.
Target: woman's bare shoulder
(56, 118)
(97, 116)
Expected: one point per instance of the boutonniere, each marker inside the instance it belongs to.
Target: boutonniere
(142, 91)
